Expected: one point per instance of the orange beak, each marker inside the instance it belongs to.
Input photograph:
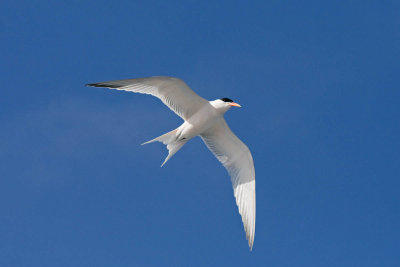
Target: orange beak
(233, 104)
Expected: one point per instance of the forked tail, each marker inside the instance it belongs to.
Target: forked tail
(170, 140)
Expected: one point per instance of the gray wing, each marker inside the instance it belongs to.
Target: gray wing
(237, 159)
(173, 92)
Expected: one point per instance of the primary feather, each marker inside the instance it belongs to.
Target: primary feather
(173, 92)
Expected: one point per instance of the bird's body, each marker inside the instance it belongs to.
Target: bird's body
(205, 119)
(198, 122)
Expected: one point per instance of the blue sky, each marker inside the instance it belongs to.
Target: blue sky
(319, 86)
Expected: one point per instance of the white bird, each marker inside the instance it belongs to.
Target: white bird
(205, 119)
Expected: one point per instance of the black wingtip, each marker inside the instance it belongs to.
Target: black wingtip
(104, 85)
(92, 85)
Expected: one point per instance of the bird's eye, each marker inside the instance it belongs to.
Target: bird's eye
(226, 99)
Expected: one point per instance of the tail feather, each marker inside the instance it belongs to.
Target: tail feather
(169, 139)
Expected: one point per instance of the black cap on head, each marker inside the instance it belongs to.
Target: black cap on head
(226, 99)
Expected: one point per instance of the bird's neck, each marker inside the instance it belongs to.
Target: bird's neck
(220, 106)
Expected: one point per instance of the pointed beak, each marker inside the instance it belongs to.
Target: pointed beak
(233, 104)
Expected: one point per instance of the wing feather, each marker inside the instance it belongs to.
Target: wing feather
(237, 159)
(173, 92)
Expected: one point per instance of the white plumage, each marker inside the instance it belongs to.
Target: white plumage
(205, 119)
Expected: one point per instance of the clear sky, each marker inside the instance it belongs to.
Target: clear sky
(319, 86)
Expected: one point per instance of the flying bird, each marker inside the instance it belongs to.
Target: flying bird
(205, 119)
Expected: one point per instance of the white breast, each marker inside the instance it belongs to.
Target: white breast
(199, 122)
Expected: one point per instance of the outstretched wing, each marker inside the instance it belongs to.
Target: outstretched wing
(237, 159)
(173, 92)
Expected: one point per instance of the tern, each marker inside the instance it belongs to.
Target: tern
(205, 119)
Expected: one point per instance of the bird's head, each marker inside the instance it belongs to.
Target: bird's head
(224, 104)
